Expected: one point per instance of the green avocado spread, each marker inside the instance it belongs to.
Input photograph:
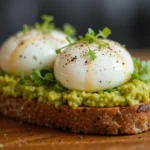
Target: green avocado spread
(43, 87)
(131, 93)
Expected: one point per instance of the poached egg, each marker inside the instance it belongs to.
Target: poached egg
(33, 50)
(112, 67)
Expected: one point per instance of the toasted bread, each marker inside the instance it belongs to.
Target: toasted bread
(102, 121)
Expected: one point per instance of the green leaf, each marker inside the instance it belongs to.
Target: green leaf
(35, 74)
(91, 32)
(110, 90)
(91, 54)
(22, 78)
(141, 70)
(49, 77)
(69, 29)
(90, 36)
(105, 32)
(34, 57)
(144, 77)
(58, 51)
(59, 87)
(38, 82)
(47, 18)
(26, 28)
(45, 26)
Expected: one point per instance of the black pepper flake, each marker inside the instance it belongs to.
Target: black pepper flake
(86, 62)
(59, 110)
(22, 43)
(123, 63)
(81, 45)
(99, 117)
(100, 81)
(109, 48)
(74, 58)
(84, 109)
(117, 61)
(20, 56)
(25, 57)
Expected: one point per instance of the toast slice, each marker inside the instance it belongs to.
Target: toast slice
(102, 121)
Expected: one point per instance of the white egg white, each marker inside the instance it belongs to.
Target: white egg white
(75, 70)
(33, 50)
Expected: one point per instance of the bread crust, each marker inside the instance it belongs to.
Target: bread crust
(102, 121)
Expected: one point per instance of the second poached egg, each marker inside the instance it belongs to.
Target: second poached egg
(33, 50)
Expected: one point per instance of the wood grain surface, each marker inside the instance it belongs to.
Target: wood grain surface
(18, 135)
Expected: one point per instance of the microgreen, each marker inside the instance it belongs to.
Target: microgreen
(22, 78)
(105, 32)
(47, 25)
(91, 54)
(69, 29)
(34, 57)
(91, 37)
(141, 70)
(41, 77)
(46, 75)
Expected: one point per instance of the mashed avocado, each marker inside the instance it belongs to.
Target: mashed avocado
(131, 93)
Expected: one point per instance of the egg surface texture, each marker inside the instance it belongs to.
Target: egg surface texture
(32, 50)
(75, 70)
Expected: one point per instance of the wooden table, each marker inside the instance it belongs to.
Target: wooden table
(18, 135)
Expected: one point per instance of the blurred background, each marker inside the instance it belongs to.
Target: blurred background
(129, 20)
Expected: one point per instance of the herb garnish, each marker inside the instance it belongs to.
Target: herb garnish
(34, 57)
(91, 54)
(91, 37)
(69, 29)
(47, 25)
(41, 77)
(141, 70)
